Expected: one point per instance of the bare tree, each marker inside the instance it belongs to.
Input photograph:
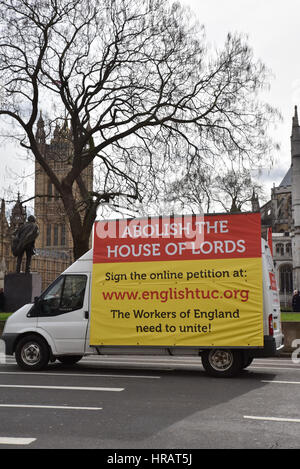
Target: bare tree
(192, 192)
(136, 82)
(234, 190)
(203, 190)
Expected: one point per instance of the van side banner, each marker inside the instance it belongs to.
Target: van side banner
(178, 281)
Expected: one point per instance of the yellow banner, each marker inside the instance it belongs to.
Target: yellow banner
(180, 303)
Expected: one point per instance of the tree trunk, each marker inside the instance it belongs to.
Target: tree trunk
(80, 231)
(81, 246)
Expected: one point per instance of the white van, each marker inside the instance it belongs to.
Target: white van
(57, 326)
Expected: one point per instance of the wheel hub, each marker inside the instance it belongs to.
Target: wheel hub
(221, 360)
(31, 354)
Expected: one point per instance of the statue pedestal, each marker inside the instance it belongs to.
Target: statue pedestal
(20, 289)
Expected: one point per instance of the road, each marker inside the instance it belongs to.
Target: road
(149, 403)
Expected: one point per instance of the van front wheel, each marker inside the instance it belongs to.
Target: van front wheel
(32, 353)
(222, 363)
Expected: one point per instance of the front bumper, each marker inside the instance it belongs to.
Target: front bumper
(10, 341)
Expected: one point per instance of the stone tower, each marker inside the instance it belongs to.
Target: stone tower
(255, 202)
(55, 234)
(4, 237)
(295, 232)
(18, 215)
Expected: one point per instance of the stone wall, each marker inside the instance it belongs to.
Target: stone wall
(291, 331)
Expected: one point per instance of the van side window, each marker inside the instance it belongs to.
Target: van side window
(64, 295)
(73, 292)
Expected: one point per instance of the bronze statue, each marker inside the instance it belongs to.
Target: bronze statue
(23, 241)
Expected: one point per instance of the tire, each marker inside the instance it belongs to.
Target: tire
(32, 353)
(222, 363)
(247, 362)
(69, 359)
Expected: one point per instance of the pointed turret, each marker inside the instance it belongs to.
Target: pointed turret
(18, 215)
(295, 168)
(65, 133)
(62, 133)
(40, 132)
(255, 202)
(2, 210)
(3, 219)
(56, 133)
(295, 118)
(295, 137)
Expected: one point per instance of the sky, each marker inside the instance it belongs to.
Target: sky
(272, 27)
(273, 33)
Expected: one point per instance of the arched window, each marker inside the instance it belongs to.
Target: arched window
(286, 278)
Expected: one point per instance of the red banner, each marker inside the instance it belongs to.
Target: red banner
(269, 240)
(178, 238)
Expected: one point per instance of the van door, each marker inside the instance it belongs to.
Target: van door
(62, 312)
(272, 317)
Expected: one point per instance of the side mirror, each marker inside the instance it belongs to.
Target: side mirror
(33, 312)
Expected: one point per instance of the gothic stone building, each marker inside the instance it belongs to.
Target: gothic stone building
(54, 246)
(282, 214)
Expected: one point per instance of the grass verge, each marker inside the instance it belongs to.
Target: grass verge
(4, 316)
(285, 317)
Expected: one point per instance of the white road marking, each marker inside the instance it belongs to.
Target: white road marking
(278, 361)
(39, 373)
(26, 406)
(273, 419)
(280, 382)
(282, 368)
(73, 388)
(16, 441)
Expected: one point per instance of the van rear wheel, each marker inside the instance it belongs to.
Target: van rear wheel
(222, 363)
(247, 362)
(32, 353)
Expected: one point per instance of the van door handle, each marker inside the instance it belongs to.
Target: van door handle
(86, 315)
